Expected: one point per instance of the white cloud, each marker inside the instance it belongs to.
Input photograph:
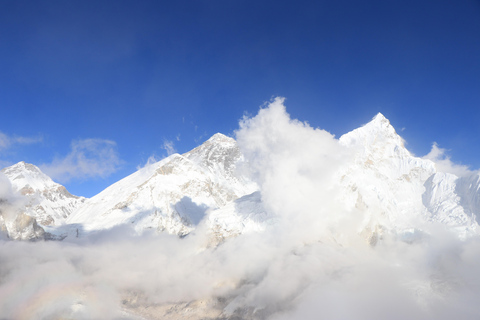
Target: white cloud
(7, 141)
(88, 158)
(4, 141)
(169, 146)
(294, 164)
(444, 164)
(151, 160)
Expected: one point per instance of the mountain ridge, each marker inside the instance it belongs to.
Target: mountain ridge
(394, 190)
(156, 197)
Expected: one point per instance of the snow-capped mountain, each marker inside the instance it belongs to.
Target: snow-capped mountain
(394, 191)
(47, 201)
(34, 202)
(399, 192)
(172, 195)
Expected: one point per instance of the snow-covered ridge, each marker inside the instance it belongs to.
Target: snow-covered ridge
(401, 192)
(172, 195)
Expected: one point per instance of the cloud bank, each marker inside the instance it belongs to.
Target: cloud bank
(88, 158)
(295, 166)
(311, 264)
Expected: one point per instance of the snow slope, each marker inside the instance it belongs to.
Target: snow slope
(172, 195)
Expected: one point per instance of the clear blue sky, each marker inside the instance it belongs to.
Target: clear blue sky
(136, 74)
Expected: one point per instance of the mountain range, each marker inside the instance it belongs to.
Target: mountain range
(211, 187)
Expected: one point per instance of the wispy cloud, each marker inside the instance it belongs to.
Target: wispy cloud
(4, 141)
(151, 160)
(88, 158)
(169, 146)
(7, 141)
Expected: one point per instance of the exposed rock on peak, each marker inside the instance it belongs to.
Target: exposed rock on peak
(218, 154)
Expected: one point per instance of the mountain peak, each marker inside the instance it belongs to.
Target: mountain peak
(380, 123)
(380, 117)
(48, 202)
(216, 144)
(24, 166)
(378, 130)
(219, 137)
(24, 174)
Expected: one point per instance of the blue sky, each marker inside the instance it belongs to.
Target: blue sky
(91, 89)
